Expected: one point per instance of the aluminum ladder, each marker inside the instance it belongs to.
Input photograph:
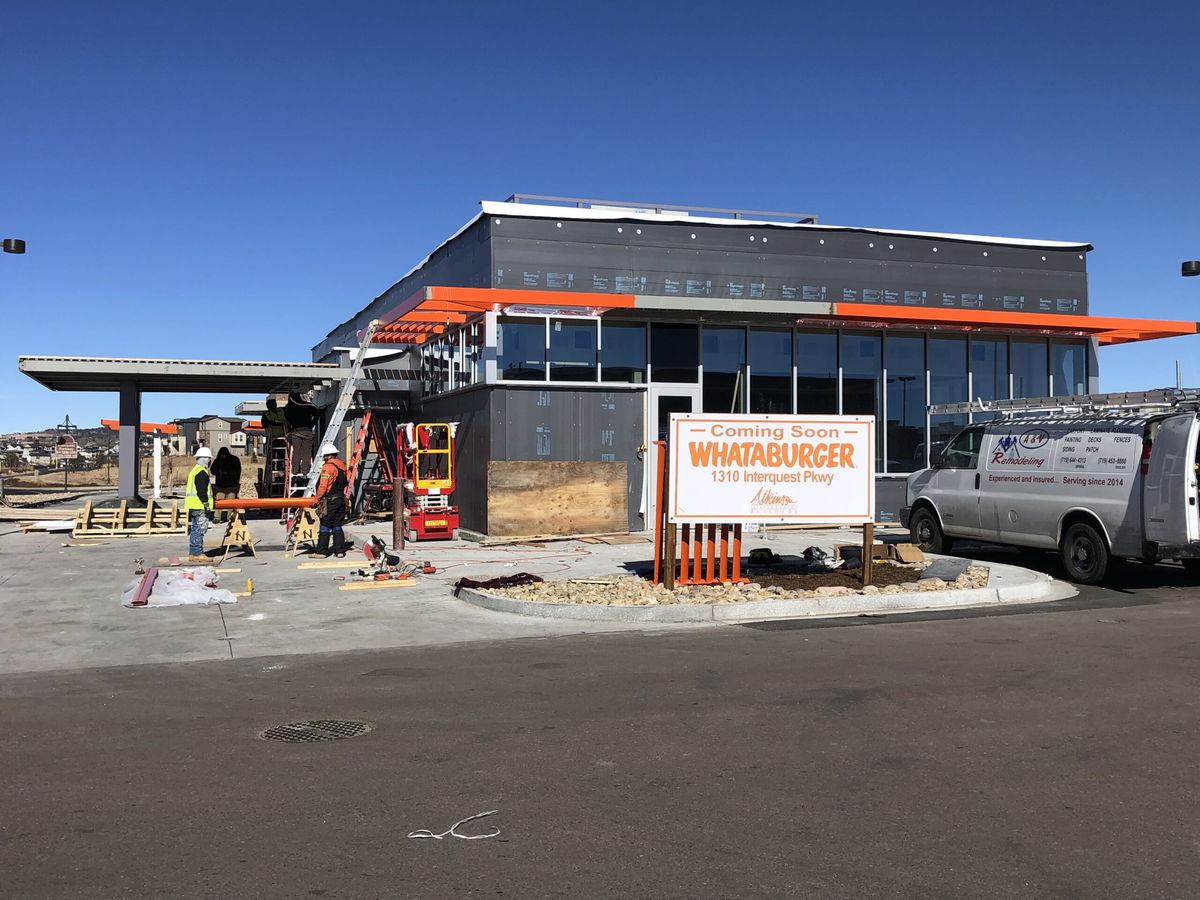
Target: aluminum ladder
(1158, 399)
(345, 398)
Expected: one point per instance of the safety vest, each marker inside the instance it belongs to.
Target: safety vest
(332, 483)
(191, 500)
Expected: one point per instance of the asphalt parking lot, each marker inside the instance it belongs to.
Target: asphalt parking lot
(1043, 750)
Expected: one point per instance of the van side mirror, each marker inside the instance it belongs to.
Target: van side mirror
(936, 459)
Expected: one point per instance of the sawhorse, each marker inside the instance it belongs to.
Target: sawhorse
(305, 530)
(237, 534)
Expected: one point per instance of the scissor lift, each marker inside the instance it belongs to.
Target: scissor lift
(427, 473)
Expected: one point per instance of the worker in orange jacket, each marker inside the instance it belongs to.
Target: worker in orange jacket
(331, 501)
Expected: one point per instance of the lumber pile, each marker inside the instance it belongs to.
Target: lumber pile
(126, 520)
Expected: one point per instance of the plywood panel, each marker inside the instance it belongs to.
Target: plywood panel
(527, 497)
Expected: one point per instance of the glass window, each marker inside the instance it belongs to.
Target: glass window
(905, 361)
(816, 372)
(1029, 368)
(573, 349)
(474, 339)
(673, 353)
(521, 350)
(1069, 372)
(623, 352)
(989, 371)
(862, 366)
(963, 451)
(724, 369)
(770, 371)
(947, 384)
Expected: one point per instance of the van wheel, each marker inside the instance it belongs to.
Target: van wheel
(1085, 556)
(927, 533)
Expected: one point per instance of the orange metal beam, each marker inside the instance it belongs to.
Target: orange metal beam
(420, 314)
(1106, 329)
(144, 427)
(507, 296)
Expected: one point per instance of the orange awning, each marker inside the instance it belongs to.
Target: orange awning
(430, 310)
(144, 428)
(1105, 329)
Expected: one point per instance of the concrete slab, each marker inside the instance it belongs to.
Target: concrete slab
(61, 604)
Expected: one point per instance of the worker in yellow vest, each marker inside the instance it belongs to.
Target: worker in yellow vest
(198, 501)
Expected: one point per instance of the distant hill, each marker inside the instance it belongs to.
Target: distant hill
(85, 437)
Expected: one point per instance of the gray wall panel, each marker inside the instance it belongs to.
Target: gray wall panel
(764, 264)
(566, 425)
(472, 449)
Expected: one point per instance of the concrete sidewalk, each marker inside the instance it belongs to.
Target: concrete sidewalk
(62, 603)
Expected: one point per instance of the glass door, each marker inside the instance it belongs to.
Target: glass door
(661, 401)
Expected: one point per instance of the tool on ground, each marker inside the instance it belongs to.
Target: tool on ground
(139, 565)
(386, 566)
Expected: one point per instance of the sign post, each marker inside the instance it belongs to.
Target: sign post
(65, 449)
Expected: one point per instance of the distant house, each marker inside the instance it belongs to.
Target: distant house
(213, 432)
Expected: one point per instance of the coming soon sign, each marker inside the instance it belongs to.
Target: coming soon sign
(781, 469)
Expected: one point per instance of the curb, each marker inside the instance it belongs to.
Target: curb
(1028, 587)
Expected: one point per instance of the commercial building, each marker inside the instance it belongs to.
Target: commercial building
(567, 331)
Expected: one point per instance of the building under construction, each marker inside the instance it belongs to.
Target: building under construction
(560, 334)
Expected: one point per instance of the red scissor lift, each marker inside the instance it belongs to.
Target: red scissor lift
(427, 472)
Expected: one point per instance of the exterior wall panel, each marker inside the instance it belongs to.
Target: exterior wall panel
(759, 264)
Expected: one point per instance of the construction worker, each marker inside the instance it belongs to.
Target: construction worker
(274, 421)
(302, 418)
(198, 501)
(226, 472)
(331, 494)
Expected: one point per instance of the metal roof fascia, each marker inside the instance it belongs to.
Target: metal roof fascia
(539, 211)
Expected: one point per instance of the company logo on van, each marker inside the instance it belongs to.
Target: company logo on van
(1034, 438)
(1009, 447)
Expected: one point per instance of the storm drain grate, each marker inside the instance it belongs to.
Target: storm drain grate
(317, 730)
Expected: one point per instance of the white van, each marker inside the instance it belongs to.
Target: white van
(1097, 486)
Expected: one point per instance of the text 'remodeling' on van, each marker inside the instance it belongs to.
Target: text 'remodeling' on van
(1098, 488)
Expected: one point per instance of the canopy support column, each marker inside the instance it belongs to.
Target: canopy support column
(129, 423)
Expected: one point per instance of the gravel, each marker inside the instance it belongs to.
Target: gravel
(633, 590)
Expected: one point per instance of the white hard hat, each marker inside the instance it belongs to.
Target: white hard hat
(203, 453)
(327, 449)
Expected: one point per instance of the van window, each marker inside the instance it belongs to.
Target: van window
(963, 451)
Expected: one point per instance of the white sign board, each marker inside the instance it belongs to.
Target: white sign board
(776, 469)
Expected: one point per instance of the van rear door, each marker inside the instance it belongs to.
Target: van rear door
(1172, 515)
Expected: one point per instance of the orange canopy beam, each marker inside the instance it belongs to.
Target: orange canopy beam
(1107, 330)
(144, 427)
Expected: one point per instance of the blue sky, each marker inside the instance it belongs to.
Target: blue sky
(230, 180)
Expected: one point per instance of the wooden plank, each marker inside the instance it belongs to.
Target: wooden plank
(368, 585)
(527, 497)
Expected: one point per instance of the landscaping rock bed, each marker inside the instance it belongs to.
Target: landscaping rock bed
(633, 590)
